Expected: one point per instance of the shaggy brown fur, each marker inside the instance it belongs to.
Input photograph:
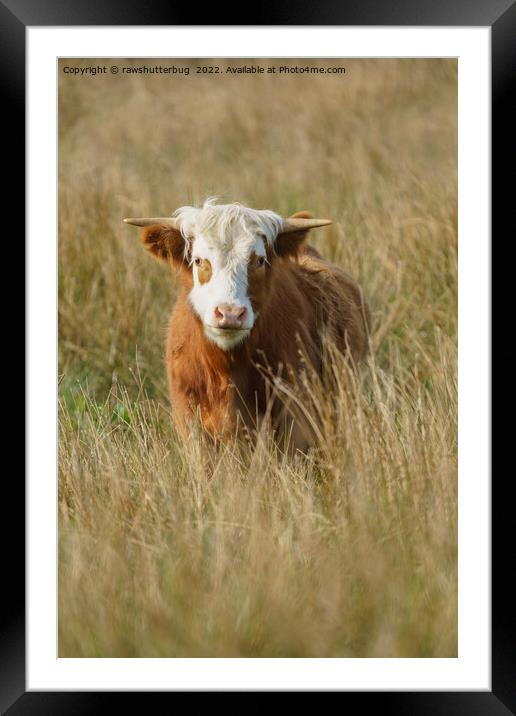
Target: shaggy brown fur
(299, 296)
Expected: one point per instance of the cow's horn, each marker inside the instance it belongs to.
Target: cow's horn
(290, 225)
(168, 221)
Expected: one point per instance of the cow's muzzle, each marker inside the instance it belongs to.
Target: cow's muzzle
(230, 315)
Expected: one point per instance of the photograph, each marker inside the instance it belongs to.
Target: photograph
(257, 357)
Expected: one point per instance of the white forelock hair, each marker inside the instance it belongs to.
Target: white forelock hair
(222, 224)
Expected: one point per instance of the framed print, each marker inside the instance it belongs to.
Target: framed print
(267, 247)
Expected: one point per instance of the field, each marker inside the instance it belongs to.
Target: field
(169, 550)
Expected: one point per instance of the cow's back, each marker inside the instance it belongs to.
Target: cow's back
(342, 309)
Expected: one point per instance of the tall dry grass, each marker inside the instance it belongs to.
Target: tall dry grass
(350, 551)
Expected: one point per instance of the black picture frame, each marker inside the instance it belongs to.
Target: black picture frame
(500, 16)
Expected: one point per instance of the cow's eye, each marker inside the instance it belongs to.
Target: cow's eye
(197, 261)
(261, 260)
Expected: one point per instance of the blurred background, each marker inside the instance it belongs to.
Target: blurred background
(374, 149)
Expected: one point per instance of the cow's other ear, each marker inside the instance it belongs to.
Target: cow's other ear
(164, 242)
(289, 243)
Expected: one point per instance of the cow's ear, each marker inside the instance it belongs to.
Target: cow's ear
(288, 244)
(164, 242)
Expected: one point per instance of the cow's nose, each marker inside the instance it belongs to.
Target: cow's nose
(229, 315)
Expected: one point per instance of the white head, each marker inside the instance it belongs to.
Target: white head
(226, 242)
(229, 249)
